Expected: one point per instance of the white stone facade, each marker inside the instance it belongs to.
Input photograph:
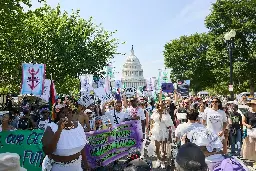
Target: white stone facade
(132, 73)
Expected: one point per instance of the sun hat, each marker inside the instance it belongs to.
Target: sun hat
(88, 111)
(10, 162)
(190, 157)
(252, 102)
(201, 136)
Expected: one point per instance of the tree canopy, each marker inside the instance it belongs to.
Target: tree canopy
(68, 44)
(209, 68)
(187, 58)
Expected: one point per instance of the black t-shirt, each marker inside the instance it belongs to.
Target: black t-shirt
(25, 123)
(251, 119)
(236, 119)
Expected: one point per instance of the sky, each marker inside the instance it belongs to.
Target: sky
(146, 24)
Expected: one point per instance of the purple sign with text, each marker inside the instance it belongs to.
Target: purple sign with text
(106, 146)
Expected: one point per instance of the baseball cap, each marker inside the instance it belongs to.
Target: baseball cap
(190, 157)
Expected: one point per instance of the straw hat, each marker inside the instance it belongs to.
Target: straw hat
(10, 161)
(252, 102)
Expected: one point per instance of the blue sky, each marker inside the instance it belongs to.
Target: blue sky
(146, 24)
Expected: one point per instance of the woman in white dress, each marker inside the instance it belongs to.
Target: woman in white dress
(160, 134)
(63, 143)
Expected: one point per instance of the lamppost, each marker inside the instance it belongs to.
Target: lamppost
(229, 36)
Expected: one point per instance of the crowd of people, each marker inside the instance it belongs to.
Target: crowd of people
(203, 129)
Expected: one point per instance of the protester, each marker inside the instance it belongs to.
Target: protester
(160, 134)
(216, 121)
(10, 162)
(6, 120)
(190, 158)
(83, 118)
(44, 118)
(235, 130)
(63, 143)
(115, 114)
(249, 143)
(184, 128)
(26, 121)
(211, 145)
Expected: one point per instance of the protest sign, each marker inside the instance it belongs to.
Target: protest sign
(26, 143)
(167, 87)
(106, 146)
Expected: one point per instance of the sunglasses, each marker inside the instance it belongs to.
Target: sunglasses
(214, 101)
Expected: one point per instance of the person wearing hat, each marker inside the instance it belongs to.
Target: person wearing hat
(249, 143)
(99, 125)
(211, 145)
(10, 162)
(190, 158)
(235, 130)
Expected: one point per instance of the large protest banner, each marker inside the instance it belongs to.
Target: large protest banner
(106, 146)
(26, 143)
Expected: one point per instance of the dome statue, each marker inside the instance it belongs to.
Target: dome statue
(132, 72)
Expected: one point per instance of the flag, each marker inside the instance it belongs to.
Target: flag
(32, 79)
(52, 99)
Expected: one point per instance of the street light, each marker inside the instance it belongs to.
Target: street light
(230, 43)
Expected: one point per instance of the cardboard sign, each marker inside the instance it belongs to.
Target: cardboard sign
(106, 146)
(27, 144)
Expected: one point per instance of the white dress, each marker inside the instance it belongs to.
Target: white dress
(160, 132)
(70, 142)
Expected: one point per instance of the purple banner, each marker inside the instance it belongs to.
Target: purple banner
(106, 146)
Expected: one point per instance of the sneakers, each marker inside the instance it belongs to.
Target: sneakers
(162, 165)
(158, 164)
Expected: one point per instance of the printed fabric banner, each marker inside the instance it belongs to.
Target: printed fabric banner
(106, 146)
(32, 78)
(26, 143)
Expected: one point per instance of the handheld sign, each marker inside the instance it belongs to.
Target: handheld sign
(106, 146)
(27, 144)
(167, 87)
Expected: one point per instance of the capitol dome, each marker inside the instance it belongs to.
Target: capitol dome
(132, 73)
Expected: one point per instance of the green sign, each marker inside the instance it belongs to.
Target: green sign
(26, 143)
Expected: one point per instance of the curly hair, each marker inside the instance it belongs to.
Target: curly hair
(62, 110)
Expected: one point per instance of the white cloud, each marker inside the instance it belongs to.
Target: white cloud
(197, 9)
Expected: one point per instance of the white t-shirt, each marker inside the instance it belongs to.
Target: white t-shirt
(120, 116)
(184, 128)
(43, 124)
(138, 111)
(214, 119)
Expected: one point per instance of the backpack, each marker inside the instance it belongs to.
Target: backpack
(230, 164)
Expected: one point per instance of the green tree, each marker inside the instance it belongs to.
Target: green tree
(240, 16)
(11, 25)
(67, 44)
(187, 58)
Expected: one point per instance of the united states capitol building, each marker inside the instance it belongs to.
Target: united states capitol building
(132, 72)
